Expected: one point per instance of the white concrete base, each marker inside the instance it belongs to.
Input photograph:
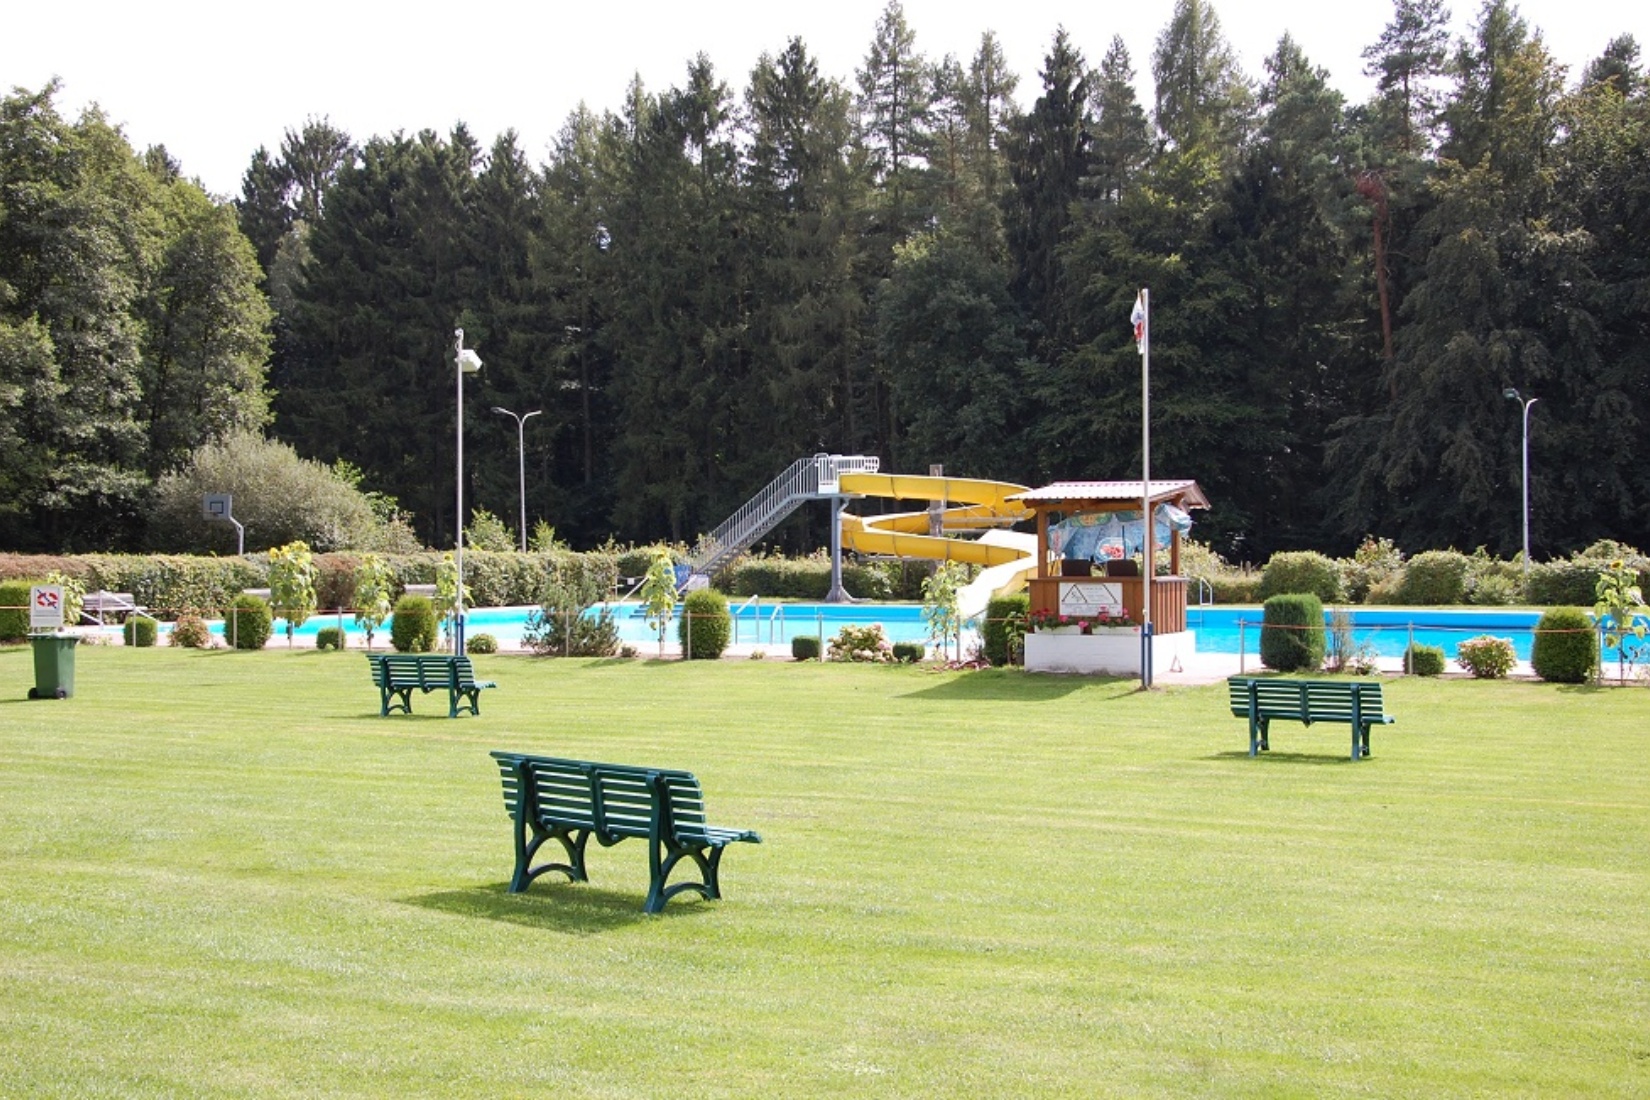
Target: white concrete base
(1114, 652)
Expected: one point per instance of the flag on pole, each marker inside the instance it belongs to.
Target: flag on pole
(1138, 320)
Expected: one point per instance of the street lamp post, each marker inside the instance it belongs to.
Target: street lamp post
(468, 362)
(521, 460)
(1513, 395)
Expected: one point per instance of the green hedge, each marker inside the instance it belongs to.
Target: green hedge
(14, 609)
(1301, 571)
(1565, 649)
(413, 625)
(994, 632)
(705, 626)
(139, 631)
(247, 622)
(1292, 637)
(1434, 579)
(807, 579)
(1571, 583)
(1424, 660)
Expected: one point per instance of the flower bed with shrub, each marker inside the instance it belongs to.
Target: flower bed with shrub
(1486, 657)
(861, 643)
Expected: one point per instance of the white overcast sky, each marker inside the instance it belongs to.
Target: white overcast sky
(213, 81)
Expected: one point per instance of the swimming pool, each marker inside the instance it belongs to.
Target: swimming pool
(1387, 632)
(754, 623)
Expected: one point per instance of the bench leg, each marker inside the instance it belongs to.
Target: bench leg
(663, 860)
(1257, 735)
(572, 841)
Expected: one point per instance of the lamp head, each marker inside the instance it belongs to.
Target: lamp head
(1511, 394)
(502, 411)
(468, 361)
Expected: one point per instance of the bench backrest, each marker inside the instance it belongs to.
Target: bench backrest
(423, 669)
(1320, 700)
(613, 800)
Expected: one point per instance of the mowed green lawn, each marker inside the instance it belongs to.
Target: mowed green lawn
(224, 874)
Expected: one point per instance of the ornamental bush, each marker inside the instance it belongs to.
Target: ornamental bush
(706, 625)
(1565, 649)
(481, 643)
(572, 621)
(1486, 657)
(139, 631)
(247, 622)
(909, 653)
(1301, 571)
(805, 647)
(1424, 660)
(413, 625)
(329, 637)
(861, 643)
(191, 632)
(1292, 633)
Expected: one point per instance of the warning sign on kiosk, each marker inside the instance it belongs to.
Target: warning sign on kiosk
(46, 607)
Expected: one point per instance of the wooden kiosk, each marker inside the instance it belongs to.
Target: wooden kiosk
(1086, 589)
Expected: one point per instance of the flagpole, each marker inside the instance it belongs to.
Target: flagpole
(1149, 528)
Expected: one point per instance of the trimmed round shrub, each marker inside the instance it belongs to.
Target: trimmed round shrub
(413, 625)
(14, 610)
(1005, 623)
(1301, 571)
(705, 626)
(139, 631)
(1486, 657)
(805, 647)
(191, 632)
(247, 622)
(1424, 660)
(909, 653)
(1292, 634)
(329, 637)
(1565, 649)
(1435, 578)
(481, 643)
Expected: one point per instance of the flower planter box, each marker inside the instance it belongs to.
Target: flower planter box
(1109, 651)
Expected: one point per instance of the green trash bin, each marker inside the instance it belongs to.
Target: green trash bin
(53, 666)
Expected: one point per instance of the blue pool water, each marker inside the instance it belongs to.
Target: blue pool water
(753, 623)
(1386, 632)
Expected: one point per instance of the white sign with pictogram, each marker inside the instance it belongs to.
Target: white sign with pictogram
(1091, 599)
(46, 607)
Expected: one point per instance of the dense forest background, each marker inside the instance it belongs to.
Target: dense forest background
(710, 283)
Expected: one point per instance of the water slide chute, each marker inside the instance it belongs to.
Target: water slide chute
(967, 505)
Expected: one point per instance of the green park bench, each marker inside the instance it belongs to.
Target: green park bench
(400, 674)
(1306, 701)
(570, 801)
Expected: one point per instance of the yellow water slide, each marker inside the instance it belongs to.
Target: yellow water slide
(967, 505)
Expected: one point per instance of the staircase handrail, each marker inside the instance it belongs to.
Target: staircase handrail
(805, 479)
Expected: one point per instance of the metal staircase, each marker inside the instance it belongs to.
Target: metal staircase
(805, 479)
